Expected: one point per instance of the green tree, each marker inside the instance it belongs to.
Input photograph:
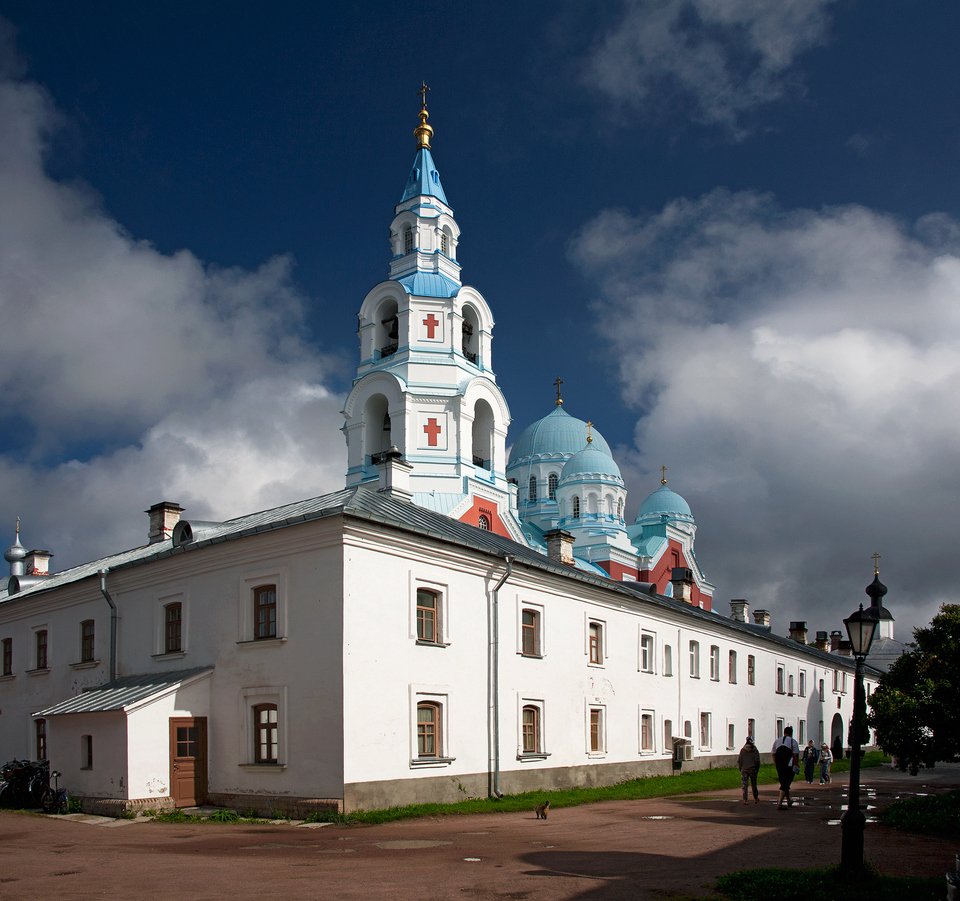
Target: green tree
(914, 706)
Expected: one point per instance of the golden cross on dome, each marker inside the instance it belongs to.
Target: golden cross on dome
(423, 132)
(589, 432)
(422, 91)
(663, 475)
(558, 382)
(876, 563)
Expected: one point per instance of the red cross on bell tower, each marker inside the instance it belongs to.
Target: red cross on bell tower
(431, 322)
(432, 430)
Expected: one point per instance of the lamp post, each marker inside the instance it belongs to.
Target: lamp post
(861, 628)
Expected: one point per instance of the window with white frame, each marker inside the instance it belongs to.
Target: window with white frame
(87, 641)
(576, 507)
(731, 736)
(531, 628)
(695, 659)
(667, 660)
(802, 732)
(263, 613)
(444, 243)
(41, 645)
(751, 670)
(687, 729)
(647, 744)
(532, 489)
(596, 726)
(779, 726)
(820, 731)
(531, 728)
(803, 683)
(264, 725)
(752, 729)
(407, 239)
(170, 620)
(429, 730)
(429, 711)
(714, 663)
(667, 735)
(706, 730)
(173, 627)
(781, 680)
(790, 684)
(732, 667)
(595, 648)
(647, 650)
(428, 615)
(821, 690)
(552, 480)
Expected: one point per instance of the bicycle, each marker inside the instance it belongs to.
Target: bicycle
(55, 799)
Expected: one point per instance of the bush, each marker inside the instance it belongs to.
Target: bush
(826, 885)
(224, 815)
(928, 815)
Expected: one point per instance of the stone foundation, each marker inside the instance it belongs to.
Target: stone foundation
(283, 806)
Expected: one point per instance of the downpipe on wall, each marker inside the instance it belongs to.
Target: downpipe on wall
(113, 623)
(493, 683)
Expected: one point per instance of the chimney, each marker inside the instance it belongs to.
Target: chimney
(37, 563)
(740, 610)
(559, 546)
(163, 517)
(394, 473)
(798, 632)
(845, 649)
(835, 636)
(682, 580)
(823, 642)
(761, 618)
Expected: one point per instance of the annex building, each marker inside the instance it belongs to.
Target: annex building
(453, 622)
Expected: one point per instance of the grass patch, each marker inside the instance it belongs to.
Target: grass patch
(930, 815)
(826, 885)
(634, 790)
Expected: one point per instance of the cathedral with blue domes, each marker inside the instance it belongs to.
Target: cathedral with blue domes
(426, 417)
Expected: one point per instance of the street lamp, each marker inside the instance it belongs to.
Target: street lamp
(861, 628)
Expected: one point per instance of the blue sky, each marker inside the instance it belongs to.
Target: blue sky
(732, 228)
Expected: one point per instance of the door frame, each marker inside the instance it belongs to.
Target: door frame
(200, 761)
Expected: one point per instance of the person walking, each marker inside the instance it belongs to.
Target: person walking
(810, 757)
(748, 762)
(826, 758)
(786, 757)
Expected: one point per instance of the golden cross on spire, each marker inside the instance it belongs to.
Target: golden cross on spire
(663, 475)
(423, 132)
(558, 382)
(424, 88)
(876, 563)
(589, 432)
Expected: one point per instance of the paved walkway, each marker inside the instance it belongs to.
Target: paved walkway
(662, 848)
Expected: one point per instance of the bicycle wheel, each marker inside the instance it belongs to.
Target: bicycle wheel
(49, 801)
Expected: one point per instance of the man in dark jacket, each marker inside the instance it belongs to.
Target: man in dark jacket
(748, 762)
(786, 757)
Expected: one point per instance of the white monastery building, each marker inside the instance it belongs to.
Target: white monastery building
(452, 623)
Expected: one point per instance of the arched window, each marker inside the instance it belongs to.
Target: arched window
(444, 243)
(552, 486)
(532, 492)
(481, 435)
(428, 615)
(407, 239)
(428, 730)
(531, 729)
(483, 522)
(266, 733)
(576, 508)
(620, 508)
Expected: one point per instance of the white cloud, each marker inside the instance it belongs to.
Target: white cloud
(191, 383)
(799, 371)
(722, 58)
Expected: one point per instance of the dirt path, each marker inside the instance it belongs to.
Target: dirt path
(660, 848)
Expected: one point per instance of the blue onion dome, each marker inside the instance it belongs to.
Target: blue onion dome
(664, 505)
(590, 461)
(558, 434)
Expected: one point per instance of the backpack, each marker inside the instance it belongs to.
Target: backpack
(783, 756)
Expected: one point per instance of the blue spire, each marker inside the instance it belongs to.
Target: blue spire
(424, 179)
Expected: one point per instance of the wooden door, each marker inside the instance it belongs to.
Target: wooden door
(188, 760)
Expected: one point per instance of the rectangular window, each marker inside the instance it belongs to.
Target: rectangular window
(779, 727)
(265, 612)
(706, 727)
(266, 734)
(530, 729)
(667, 734)
(86, 752)
(803, 683)
(595, 642)
(731, 737)
(596, 738)
(173, 628)
(714, 663)
(790, 684)
(646, 732)
(695, 659)
(781, 688)
(752, 729)
(732, 668)
(820, 732)
(843, 683)
(87, 641)
(667, 660)
(40, 731)
(41, 640)
(802, 732)
(428, 615)
(530, 632)
(646, 652)
(429, 733)
(751, 670)
(7, 656)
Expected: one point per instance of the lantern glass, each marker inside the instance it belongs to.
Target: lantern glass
(861, 628)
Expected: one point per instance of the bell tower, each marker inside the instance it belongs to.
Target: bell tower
(425, 383)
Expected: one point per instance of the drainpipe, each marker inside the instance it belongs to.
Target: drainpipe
(113, 623)
(493, 682)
